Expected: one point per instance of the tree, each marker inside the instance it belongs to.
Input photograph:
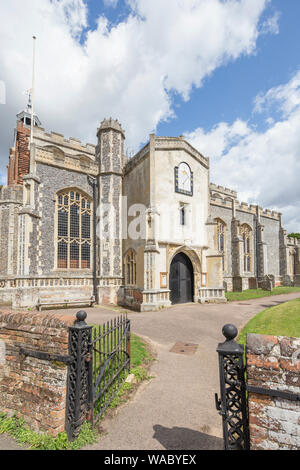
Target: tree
(294, 235)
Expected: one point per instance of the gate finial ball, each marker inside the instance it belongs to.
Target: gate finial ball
(229, 331)
(81, 316)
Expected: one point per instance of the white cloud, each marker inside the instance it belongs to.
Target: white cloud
(125, 71)
(264, 167)
(111, 3)
(271, 24)
(286, 98)
(73, 13)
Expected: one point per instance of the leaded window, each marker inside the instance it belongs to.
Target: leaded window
(130, 268)
(246, 234)
(74, 218)
(221, 229)
(292, 263)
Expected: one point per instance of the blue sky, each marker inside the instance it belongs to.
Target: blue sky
(229, 92)
(226, 73)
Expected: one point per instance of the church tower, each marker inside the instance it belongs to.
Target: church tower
(19, 155)
(110, 157)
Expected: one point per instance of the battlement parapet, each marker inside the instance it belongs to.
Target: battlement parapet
(110, 123)
(253, 208)
(223, 190)
(245, 207)
(293, 241)
(271, 214)
(53, 149)
(55, 138)
(217, 199)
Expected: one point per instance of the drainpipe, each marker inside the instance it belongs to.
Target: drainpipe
(93, 182)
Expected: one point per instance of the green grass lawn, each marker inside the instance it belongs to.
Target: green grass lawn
(257, 293)
(280, 320)
(139, 352)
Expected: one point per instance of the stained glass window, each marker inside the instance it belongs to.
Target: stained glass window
(74, 218)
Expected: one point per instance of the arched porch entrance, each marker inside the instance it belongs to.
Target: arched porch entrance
(181, 280)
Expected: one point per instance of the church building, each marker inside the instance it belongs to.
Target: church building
(81, 224)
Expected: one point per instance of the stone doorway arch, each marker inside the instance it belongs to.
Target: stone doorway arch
(191, 264)
(195, 258)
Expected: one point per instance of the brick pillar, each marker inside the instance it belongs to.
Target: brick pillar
(11, 167)
(110, 155)
(21, 162)
(273, 363)
(34, 388)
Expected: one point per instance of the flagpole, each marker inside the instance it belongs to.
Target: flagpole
(32, 91)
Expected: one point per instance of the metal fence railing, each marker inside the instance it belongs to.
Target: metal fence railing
(110, 361)
(98, 364)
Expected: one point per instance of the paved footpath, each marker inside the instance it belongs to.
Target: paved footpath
(176, 409)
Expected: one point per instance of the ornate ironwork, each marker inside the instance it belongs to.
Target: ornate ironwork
(232, 405)
(79, 374)
(45, 356)
(274, 393)
(110, 362)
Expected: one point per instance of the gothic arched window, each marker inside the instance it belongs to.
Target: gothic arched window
(246, 234)
(292, 263)
(220, 239)
(74, 228)
(130, 268)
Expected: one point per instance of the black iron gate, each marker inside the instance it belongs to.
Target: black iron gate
(99, 362)
(232, 405)
(110, 363)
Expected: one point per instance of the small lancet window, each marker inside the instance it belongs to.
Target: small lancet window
(182, 215)
(130, 268)
(220, 238)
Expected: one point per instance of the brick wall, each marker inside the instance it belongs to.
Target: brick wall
(19, 159)
(273, 363)
(34, 388)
